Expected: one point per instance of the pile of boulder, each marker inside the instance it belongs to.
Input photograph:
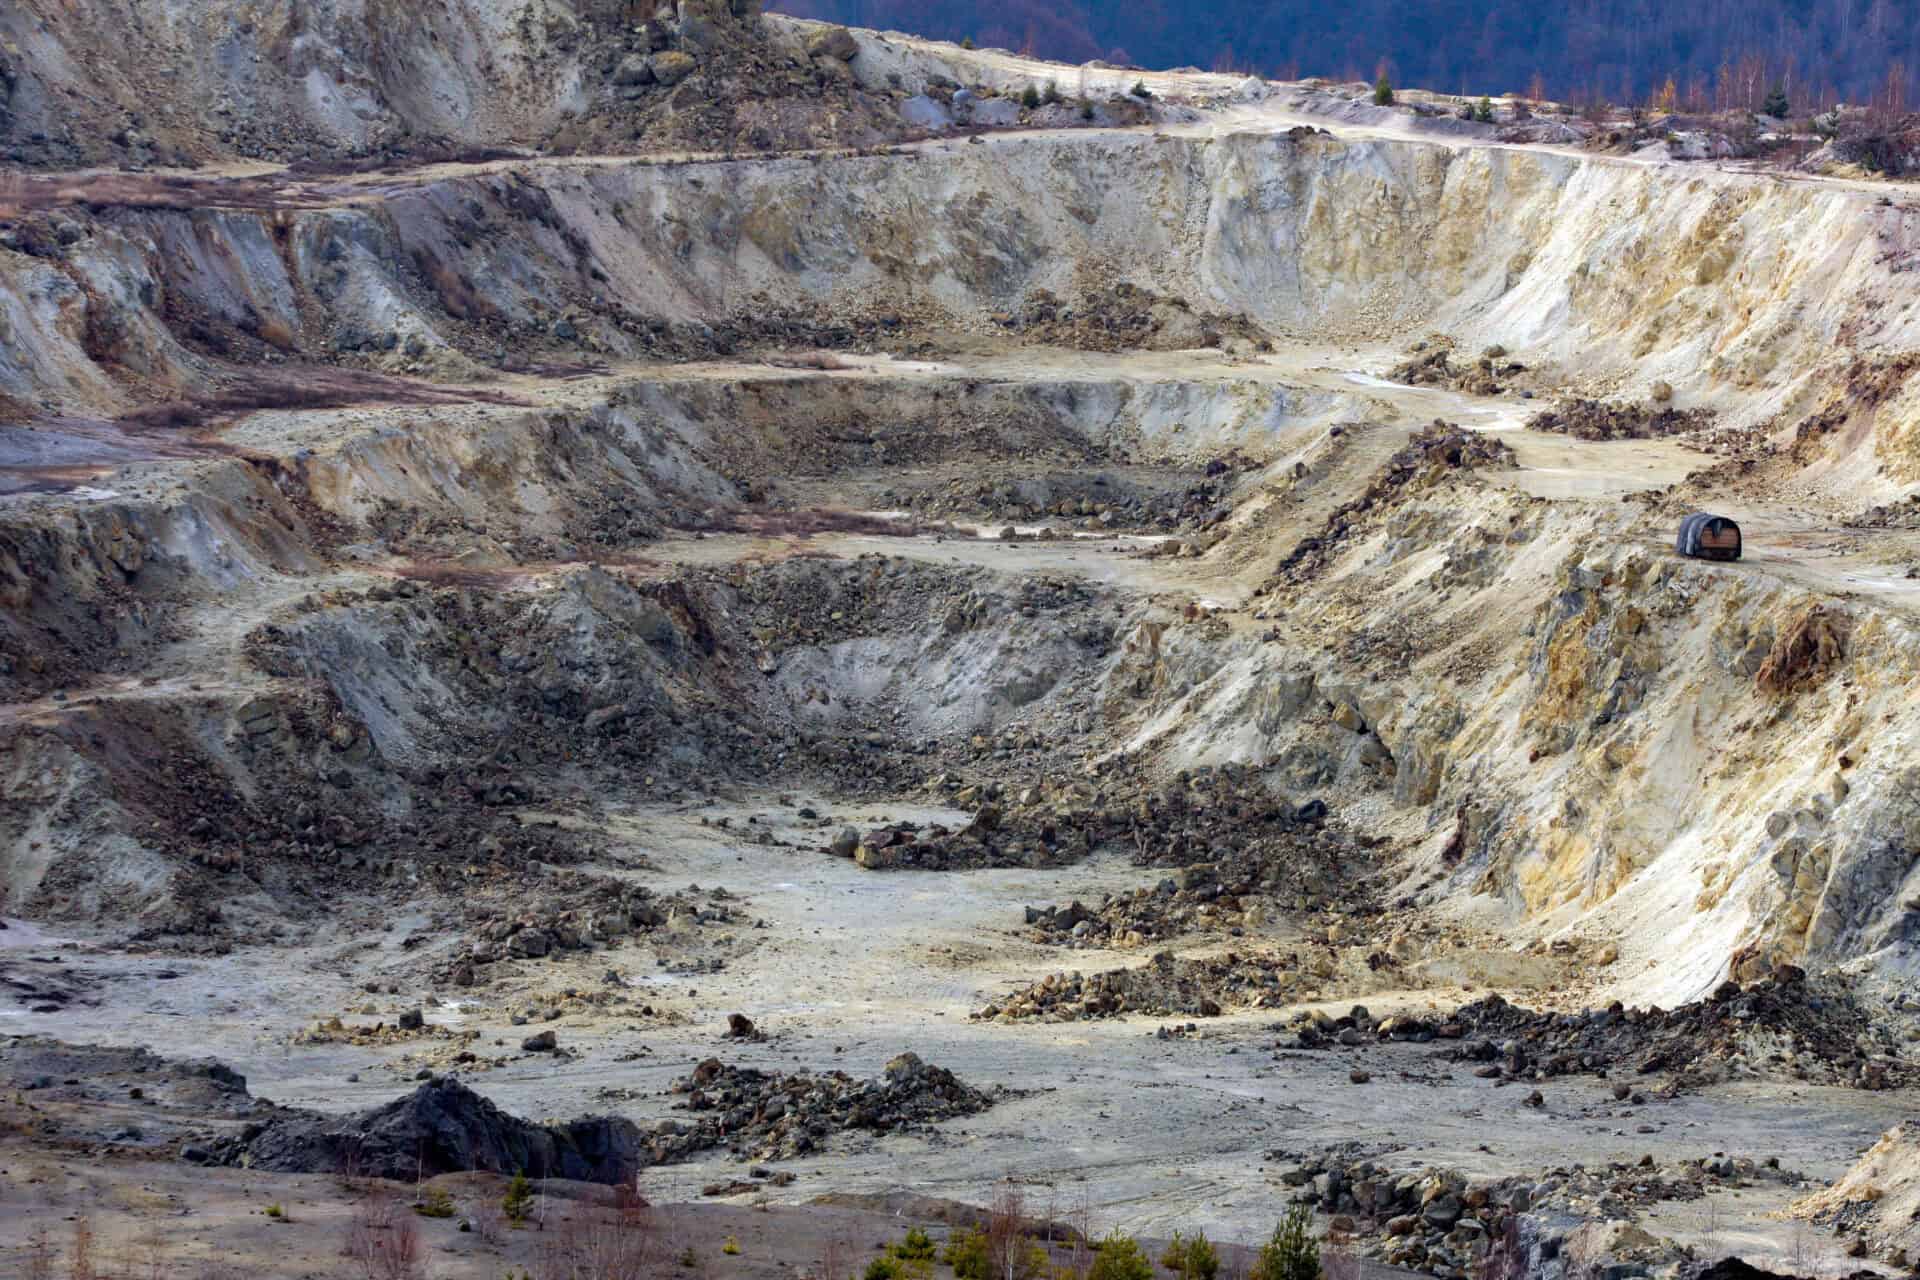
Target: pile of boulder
(1126, 317)
(1443, 1223)
(1602, 420)
(1780, 1027)
(569, 911)
(1431, 363)
(761, 1115)
(1224, 830)
(981, 843)
(1184, 502)
(1163, 987)
(1249, 888)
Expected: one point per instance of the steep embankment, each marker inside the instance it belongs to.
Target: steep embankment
(1749, 292)
(134, 83)
(1703, 766)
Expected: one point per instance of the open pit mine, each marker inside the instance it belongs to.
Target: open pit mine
(664, 641)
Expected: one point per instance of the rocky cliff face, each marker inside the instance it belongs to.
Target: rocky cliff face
(1619, 276)
(140, 83)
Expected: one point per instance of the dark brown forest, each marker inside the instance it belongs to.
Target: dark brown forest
(1715, 53)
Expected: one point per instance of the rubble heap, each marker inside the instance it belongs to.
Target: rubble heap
(765, 1116)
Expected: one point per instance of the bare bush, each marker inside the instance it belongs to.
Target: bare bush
(80, 1252)
(834, 1258)
(1080, 1243)
(40, 1255)
(489, 1222)
(146, 1257)
(1006, 1230)
(383, 1242)
(1339, 1266)
(613, 1245)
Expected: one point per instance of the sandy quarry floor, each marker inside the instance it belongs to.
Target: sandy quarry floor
(853, 968)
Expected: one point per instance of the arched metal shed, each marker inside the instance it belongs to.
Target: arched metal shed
(1705, 536)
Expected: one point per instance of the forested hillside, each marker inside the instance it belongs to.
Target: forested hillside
(1618, 50)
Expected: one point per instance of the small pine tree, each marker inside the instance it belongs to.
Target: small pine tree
(1120, 1258)
(519, 1199)
(1383, 91)
(1030, 97)
(1291, 1254)
(1193, 1257)
(966, 42)
(966, 1253)
(1776, 104)
(435, 1204)
(917, 1245)
(1052, 96)
(1141, 91)
(1484, 111)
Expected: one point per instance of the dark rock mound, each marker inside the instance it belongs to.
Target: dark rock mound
(441, 1127)
(765, 1116)
(1834, 1038)
(1600, 420)
(1739, 1269)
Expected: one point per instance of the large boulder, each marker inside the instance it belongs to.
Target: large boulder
(671, 66)
(834, 42)
(996, 113)
(634, 69)
(924, 112)
(441, 1127)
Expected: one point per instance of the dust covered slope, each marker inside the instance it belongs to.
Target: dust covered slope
(134, 82)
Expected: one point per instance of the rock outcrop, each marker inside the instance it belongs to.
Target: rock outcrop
(441, 1127)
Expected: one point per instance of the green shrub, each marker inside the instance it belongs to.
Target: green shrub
(1052, 95)
(1484, 111)
(435, 1204)
(882, 1269)
(519, 1200)
(1776, 104)
(1141, 91)
(1030, 97)
(918, 1244)
(966, 1253)
(1383, 91)
(1291, 1254)
(1120, 1257)
(966, 42)
(1193, 1257)
(731, 1247)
